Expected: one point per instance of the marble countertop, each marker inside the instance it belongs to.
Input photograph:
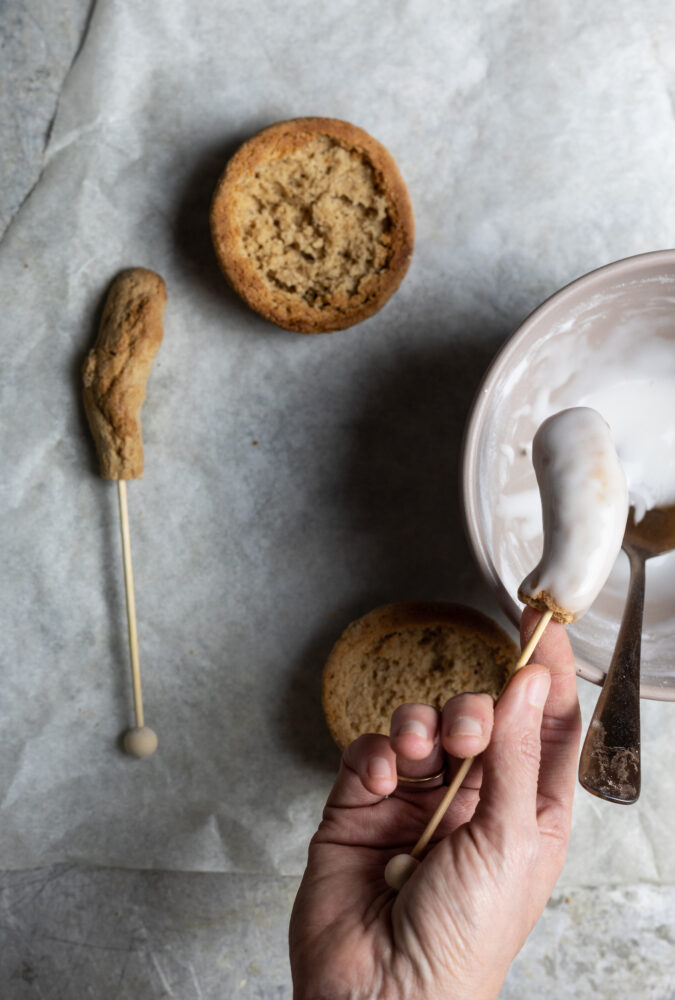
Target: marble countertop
(80, 930)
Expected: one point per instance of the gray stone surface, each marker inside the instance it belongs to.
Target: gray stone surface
(70, 933)
(613, 942)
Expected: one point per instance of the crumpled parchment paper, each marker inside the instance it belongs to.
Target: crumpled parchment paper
(292, 483)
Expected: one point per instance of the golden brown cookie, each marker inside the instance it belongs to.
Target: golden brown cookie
(410, 652)
(312, 224)
(116, 370)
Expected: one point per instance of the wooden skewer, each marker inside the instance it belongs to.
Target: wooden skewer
(131, 602)
(400, 868)
(140, 741)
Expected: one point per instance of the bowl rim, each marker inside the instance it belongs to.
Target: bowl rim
(476, 421)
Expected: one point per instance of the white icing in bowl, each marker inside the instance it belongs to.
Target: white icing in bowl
(605, 341)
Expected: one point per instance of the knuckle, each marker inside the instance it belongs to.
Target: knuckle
(528, 848)
(524, 746)
(402, 710)
(358, 750)
(556, 845)
(528, 745)
(554, 820)
(521, 846)
(354, 749)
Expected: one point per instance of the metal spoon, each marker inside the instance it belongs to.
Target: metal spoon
(610, 759)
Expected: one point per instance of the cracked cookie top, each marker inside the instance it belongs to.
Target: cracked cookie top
(312, 224)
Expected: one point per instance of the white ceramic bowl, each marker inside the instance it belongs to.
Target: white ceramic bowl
(615, 323)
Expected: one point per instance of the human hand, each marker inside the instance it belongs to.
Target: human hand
(459, 921)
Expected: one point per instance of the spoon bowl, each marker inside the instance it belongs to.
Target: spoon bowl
(654, 534)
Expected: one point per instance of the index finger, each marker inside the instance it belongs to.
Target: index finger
(561, 725)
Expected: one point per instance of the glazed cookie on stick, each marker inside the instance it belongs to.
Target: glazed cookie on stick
(584, 502)
(115, 375)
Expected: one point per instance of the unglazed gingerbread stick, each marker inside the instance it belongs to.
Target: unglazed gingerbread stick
(401, 866)
(115, 376)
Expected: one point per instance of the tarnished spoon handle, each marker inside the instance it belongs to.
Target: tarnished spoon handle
(610, 758)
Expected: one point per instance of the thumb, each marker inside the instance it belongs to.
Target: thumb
(508, 798)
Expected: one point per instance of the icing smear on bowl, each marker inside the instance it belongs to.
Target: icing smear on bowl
(641, 414)
(605, 342)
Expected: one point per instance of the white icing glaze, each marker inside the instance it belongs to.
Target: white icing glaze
(584, 501)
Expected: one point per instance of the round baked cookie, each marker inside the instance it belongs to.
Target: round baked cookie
(312, 224)
(410, 652)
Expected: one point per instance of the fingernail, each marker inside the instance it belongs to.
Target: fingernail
(415, 728)
(378, 767)
(537, 690)
(466, 726)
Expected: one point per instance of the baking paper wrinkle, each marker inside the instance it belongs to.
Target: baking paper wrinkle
(58, 146)
(50, 129)
(237, 793)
